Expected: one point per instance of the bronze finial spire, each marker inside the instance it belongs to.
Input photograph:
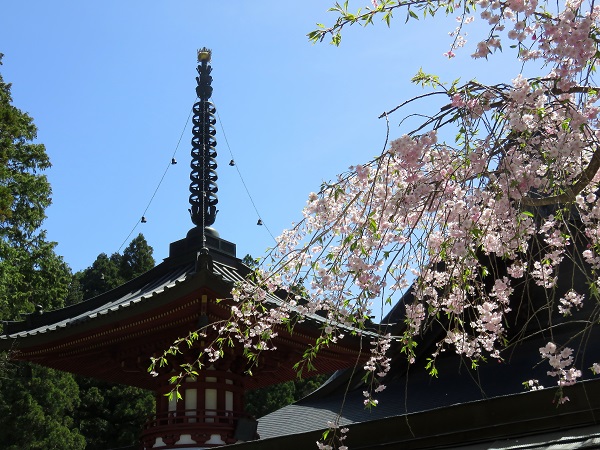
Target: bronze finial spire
(203, 186)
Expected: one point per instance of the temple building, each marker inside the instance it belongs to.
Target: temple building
(113, 337)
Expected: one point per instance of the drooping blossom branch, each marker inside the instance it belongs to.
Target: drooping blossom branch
(494, 193)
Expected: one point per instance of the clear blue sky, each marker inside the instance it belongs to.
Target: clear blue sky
(110, 85)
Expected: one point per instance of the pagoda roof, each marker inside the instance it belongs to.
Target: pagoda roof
(103, 337)
(138, 294)
(148, 291)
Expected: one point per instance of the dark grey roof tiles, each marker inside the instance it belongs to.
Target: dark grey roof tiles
(135, 292)
(416, 391)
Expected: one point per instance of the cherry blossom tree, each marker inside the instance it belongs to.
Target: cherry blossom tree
(497, 190)
(461, 221)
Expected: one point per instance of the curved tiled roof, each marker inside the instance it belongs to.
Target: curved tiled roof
(93, 308)
(153, 283)
(133, 295)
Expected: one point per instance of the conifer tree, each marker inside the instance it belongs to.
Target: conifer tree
(30, 271)
(36, 404)
(112, 415)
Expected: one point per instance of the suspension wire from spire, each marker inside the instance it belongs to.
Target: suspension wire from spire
(143, 215)
(260, 221)
(202, 56)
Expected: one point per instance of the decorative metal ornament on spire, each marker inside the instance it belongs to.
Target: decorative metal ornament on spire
(203, 186)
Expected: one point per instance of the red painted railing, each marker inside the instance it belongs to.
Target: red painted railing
(200, 425)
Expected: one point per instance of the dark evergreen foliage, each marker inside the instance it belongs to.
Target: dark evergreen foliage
(111, 415)
(137, 258)
(36, 404)
(30, 272)
(263, 401)
(36, 409)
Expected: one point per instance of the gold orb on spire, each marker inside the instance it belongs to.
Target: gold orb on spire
(204, 54)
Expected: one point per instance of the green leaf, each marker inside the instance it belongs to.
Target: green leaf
(336, 40)
(372, 225)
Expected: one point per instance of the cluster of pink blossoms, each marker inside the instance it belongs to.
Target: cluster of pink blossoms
(560, 361)
(564, 39)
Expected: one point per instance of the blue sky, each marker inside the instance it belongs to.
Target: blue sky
(110, 85)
